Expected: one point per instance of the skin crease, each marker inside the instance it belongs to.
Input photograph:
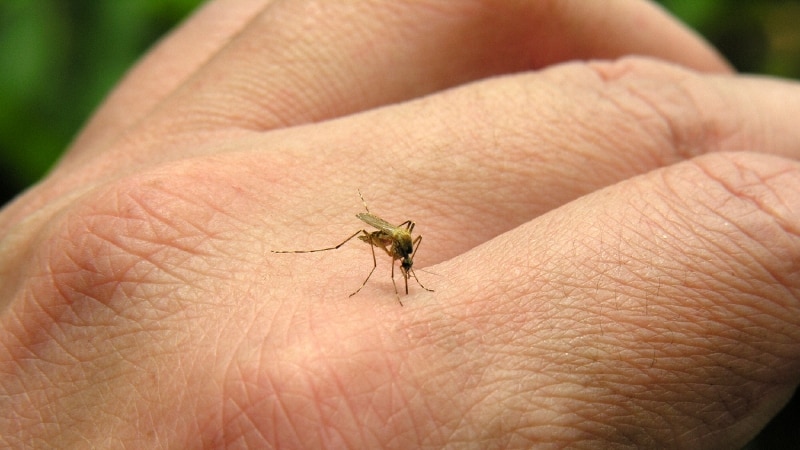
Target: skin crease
(612, 239)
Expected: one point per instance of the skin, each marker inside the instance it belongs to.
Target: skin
(612, 239)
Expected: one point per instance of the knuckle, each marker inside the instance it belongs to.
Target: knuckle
(764, 190)
(679, 110)
(136, 239)
(743, 207)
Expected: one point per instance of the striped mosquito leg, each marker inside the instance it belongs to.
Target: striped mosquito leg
(374, 262)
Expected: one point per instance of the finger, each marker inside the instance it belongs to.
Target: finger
(307, 61)
(474, 162)
(267, 77)
(665, 305)
(164, 68)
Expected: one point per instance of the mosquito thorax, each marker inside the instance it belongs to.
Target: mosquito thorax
(405, 247)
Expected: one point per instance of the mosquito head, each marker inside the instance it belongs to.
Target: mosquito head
(406, 263)
(405, 267)
(404, 248)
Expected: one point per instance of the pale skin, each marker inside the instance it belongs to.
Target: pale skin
(612, 244)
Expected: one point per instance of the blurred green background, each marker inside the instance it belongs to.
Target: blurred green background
(59, 58)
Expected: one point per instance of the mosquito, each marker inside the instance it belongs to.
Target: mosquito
(396, 241)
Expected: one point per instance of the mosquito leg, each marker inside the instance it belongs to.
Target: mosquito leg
(409, 225)
(363, 201)
(405, 278)
(420, 284)
(413, 274)
(415, 244)
(396, 294)
(322, 249)
(374, 262)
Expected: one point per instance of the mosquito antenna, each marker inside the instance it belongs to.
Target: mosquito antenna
(363, 201)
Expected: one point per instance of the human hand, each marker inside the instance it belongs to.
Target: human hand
(605, 270)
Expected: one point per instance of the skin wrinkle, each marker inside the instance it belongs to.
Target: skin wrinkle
(175, 232)
(714, 242)
(242, 410)
(229, 432)
(276, 398)
(143, 207)
(578, 410)
(158, 235)
(257, 432)
(756, 191)
(96, 270)
(706, 243)
(337, 403)
(300, 364)
(409, 411)
(102, 283)
(687, 129)
(395, 392)
(759, 205)
(422, 403)
(233, 410)
(480, 400)
(623, 95)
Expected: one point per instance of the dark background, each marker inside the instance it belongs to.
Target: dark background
(59, 59)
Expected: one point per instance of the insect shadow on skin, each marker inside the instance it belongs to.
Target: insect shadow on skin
(396, 241)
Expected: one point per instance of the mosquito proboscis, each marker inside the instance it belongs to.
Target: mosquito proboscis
(395, 240)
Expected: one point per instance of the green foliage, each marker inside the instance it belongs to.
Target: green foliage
(757, 36)
(58, 59)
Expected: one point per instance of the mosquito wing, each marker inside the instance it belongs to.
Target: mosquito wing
(378, 223)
